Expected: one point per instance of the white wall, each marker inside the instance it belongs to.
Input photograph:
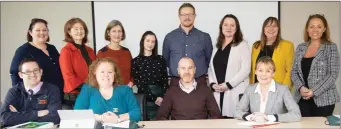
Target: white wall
(162, 17)
(294, 16)
(15, 20)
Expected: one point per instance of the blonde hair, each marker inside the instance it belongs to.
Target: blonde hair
(91, 79)
(267, 61)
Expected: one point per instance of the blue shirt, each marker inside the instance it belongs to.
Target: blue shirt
(196, 45)
(122, 101)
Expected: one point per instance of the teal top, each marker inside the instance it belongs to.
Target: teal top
(122, 101)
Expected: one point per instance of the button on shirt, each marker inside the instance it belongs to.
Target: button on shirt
(262, 104)
(196, 45)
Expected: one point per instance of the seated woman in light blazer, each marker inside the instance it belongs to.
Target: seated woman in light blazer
(229, 68)
(267, 100)
(271, 44)
(315, 70)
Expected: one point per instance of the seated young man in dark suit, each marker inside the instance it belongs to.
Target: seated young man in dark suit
(31, 100)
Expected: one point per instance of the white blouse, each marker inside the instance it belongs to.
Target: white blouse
(262, 104)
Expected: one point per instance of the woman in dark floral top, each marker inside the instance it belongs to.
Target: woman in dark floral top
(149, 71)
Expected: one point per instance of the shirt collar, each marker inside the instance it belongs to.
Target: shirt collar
(183, 32)
(35, 89)
(71, 46)
(271, 88)
(183, 87)
(79, 46)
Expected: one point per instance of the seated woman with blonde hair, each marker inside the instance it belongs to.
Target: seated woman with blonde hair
(267, 100)
(110, 101)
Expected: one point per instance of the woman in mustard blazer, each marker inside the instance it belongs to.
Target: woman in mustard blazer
(272, 45)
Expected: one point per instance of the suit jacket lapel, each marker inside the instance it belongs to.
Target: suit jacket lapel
(274, 55)
(256, 53)
(211, 62)
(256, 97)
(318, 55)
(300, 55)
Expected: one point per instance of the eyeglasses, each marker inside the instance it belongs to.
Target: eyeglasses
(186, 15)
(35, 72)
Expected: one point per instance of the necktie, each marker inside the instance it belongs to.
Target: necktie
(30, 92)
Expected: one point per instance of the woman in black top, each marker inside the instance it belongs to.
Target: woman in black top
(150, 73)
(46, 54)
(315, 70)
(230, 66)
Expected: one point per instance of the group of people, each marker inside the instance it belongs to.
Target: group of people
(253, 86)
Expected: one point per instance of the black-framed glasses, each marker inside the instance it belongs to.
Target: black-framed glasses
(35, 71)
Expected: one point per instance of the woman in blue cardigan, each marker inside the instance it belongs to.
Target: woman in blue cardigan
(110, 102)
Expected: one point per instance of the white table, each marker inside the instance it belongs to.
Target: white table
(306, 122)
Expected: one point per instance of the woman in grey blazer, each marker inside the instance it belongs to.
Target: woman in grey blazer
(315, 69)
(267, 100)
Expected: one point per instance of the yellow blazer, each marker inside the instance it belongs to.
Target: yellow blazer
(282, 56)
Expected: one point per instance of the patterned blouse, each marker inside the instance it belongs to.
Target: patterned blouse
(150, 70)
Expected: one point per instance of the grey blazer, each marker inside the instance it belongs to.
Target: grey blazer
(280, 104)
(323, 73)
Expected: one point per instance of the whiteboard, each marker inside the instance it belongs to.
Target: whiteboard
(162, 18)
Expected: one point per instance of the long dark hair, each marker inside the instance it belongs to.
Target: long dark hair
(154, 52)
(238, 36)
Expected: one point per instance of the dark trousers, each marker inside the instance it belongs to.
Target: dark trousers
(308, 108)
(200, 80)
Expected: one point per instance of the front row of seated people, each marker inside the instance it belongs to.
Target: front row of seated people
(35, 100)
